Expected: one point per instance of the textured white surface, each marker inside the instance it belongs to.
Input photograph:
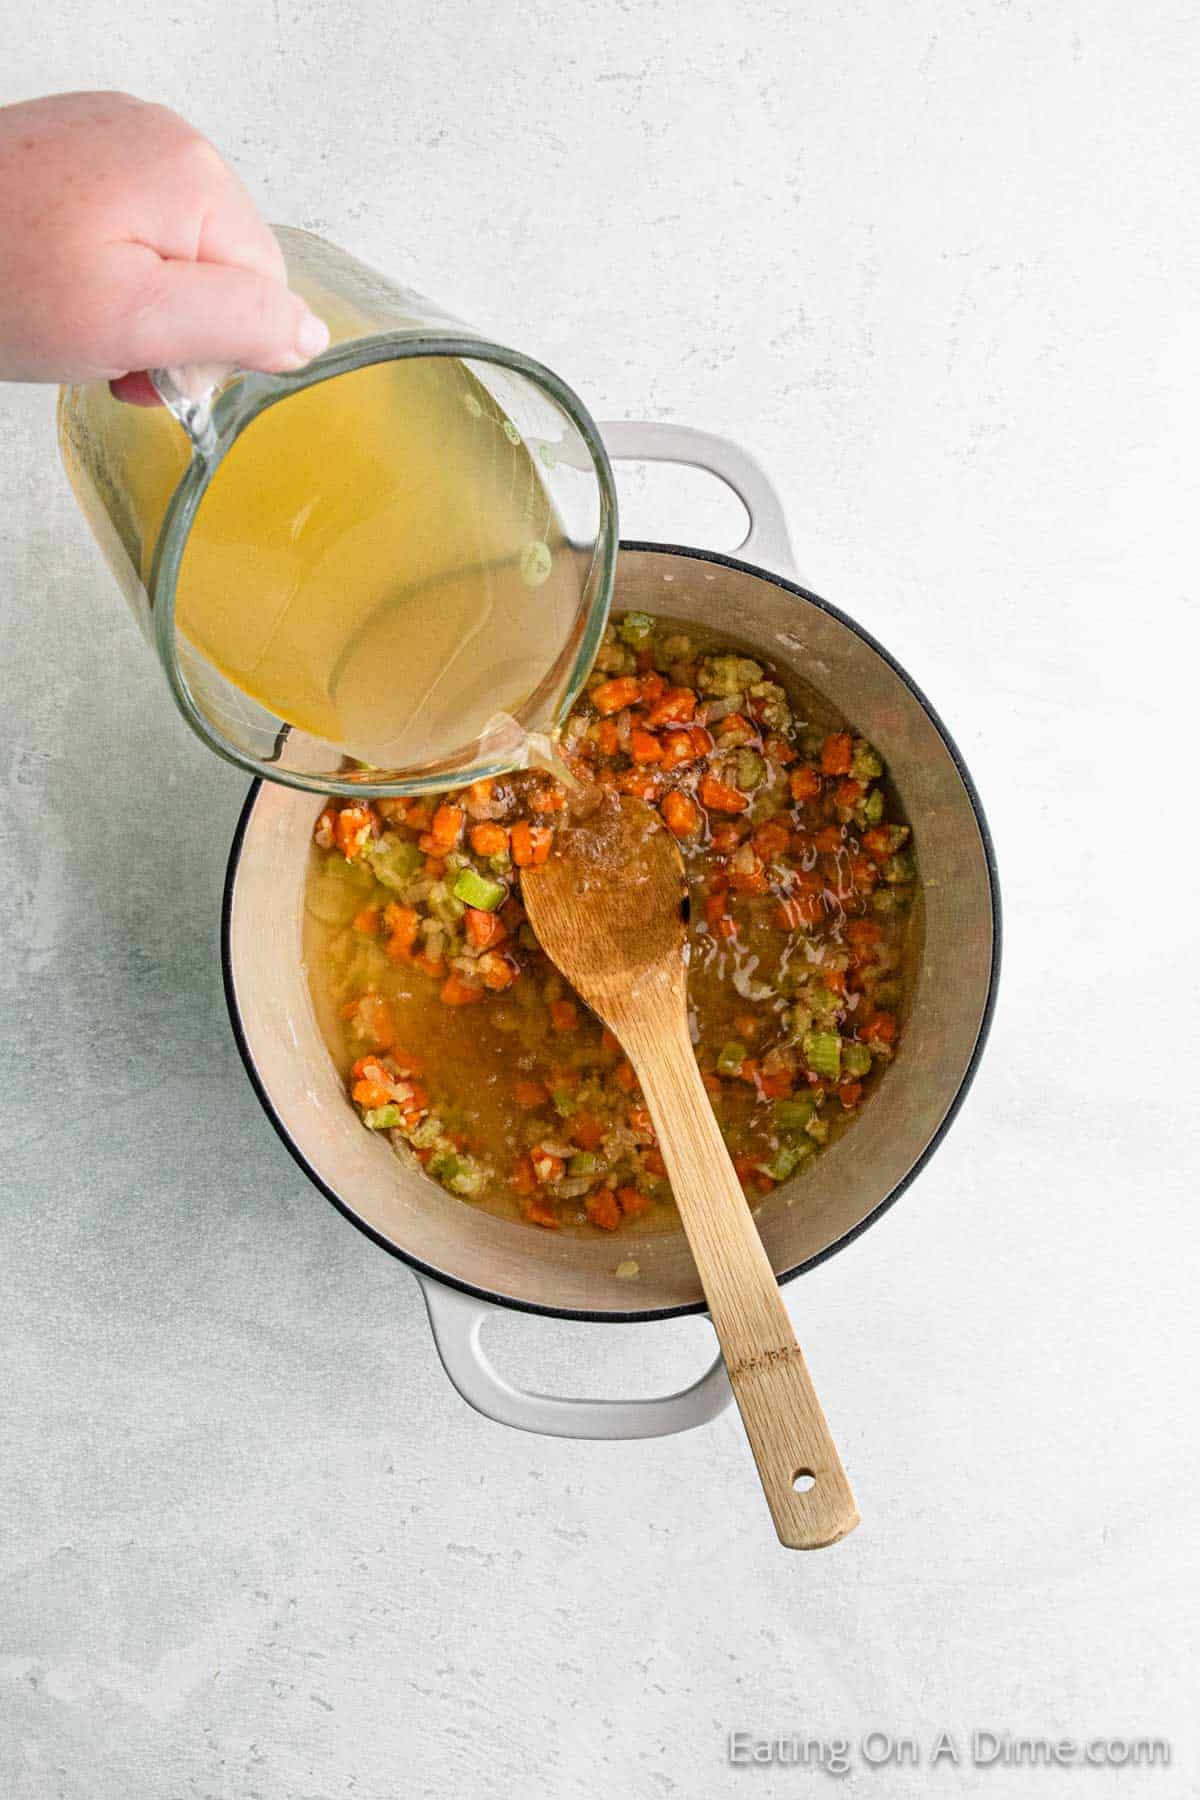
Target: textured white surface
(937, 265)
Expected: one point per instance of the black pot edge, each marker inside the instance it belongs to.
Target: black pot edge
(696, 1306)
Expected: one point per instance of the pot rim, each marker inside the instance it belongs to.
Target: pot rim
(643, 1316)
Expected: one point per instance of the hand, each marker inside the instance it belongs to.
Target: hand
(129, 245)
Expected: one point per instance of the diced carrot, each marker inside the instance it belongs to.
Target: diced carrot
(371, 1093)
(646, 784)
(878, 843)
(608, 737)
(834, 980)
(763, 1183)
(727, 927)
(587, 1131)
(702, 740)
(367, 921)
(641, 1124)
(880, 1027)
(718, 796)
(726, 836)
(733, 729)
(489, 839)
(353, 830)
(805, 785)
(714, 907)
(447, 827)
(611, 696)
(677, 749)
(829, 839)
(401, 924)
(603, 1209)
(368, 1068)
(645, 662)
(746, 1025)
(432, 965)
(548, 798)
(484, 929)
(776, 1086)
(420, 814)
(749, 1071)
(744, 1167)
(863, 932)
(712, 1082)
(564, 1015)
(546, 1165)
(746, 873)
(496, 970)
(653, 686)
(523, 1180)
(530, 843)
(847, 792)
(771, 839)
(393, 809)
(458, 992)
(675, 707)
(418, 1099)
(610, 1041)
(632, 1203)
(837, 753)
(625, 1077)
(777, 750)
(681, 814)
(653, 1160)
(850, 1093)
(538, 1212)
(644, 747)
(529, 1094)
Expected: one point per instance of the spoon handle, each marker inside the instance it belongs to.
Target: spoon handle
(770, 1380)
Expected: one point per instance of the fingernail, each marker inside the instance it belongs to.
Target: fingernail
(312, 336)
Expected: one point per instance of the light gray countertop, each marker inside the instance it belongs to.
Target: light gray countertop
(937, 266)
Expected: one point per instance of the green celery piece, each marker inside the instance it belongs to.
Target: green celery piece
(787, 1159)
(584, 1162)
(750, 769)
(856, 1060)
(873, 806)
(477, 890)
(445, 907)
(732, 1056)
(865, 764)
(635, 628)
(565, 1102)
(444, 1166)
(383, 1118)
(468, 1179)
(823, 1053)
(394, 860)
(427, 1133)
(794, 1114)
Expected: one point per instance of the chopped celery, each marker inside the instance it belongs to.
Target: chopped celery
(728, 675)
(873, 806)
(446, 907)
(468, 1179)
(856, 1060)
(823, 1053)
(794, 1114)
(394, 860)
(339, 891)
(382, 1118)
(786, 1160)
(898, 869)
(750, 769)
(427, 1134)
(635, 628)
(773, 709)
(732, 1056)
(865, 764)
(817, 1128)
(478, 890)
(584, 1162)
(565, 1101)
(444, 1166)
(824, 1003)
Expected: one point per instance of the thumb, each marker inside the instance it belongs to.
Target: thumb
(210, 312)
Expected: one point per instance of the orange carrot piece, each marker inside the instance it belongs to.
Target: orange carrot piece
(675, 707)
(530, 843)
(848, 793)
(367, 921)
(353, 830)
(546, 1165)
(653, 686)
(538, 1212)
(644, 747)
(879, 1028)
(373, 1019)
(603, 1209)
(632, 1203)
(611, 696)
(610, 1041)
(489, 840)
(653, 1160)
(607, 737)
(371, 1093)
(641, 1124)
(777, 750)
(457, 992)
(587, 1131)
(677, 749)
(625, 1077)
(805, 785)
(726, 835)
(718, 796)
(837, 753)
(447, 827)
(681, 813)
(496, 970)
(564, 1015)
(522, 1180)
(529, 1094)
(850, 1093)
(484, 930)
(772, 839)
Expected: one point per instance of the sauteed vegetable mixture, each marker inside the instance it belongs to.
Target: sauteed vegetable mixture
(462, 1043)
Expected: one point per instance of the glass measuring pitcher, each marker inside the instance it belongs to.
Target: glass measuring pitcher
(371, 576)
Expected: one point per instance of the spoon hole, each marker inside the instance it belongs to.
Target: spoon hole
(803, 1479)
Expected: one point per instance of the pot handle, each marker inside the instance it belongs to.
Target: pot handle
(641, 440)
(457, 1319)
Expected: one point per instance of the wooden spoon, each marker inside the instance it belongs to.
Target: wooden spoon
(610, 908)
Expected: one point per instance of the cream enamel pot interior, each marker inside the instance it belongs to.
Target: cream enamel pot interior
(468, 1262)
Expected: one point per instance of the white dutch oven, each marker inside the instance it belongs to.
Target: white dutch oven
(468, 1262)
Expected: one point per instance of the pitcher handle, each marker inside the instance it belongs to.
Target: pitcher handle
(641, 440)
(457, 1320)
